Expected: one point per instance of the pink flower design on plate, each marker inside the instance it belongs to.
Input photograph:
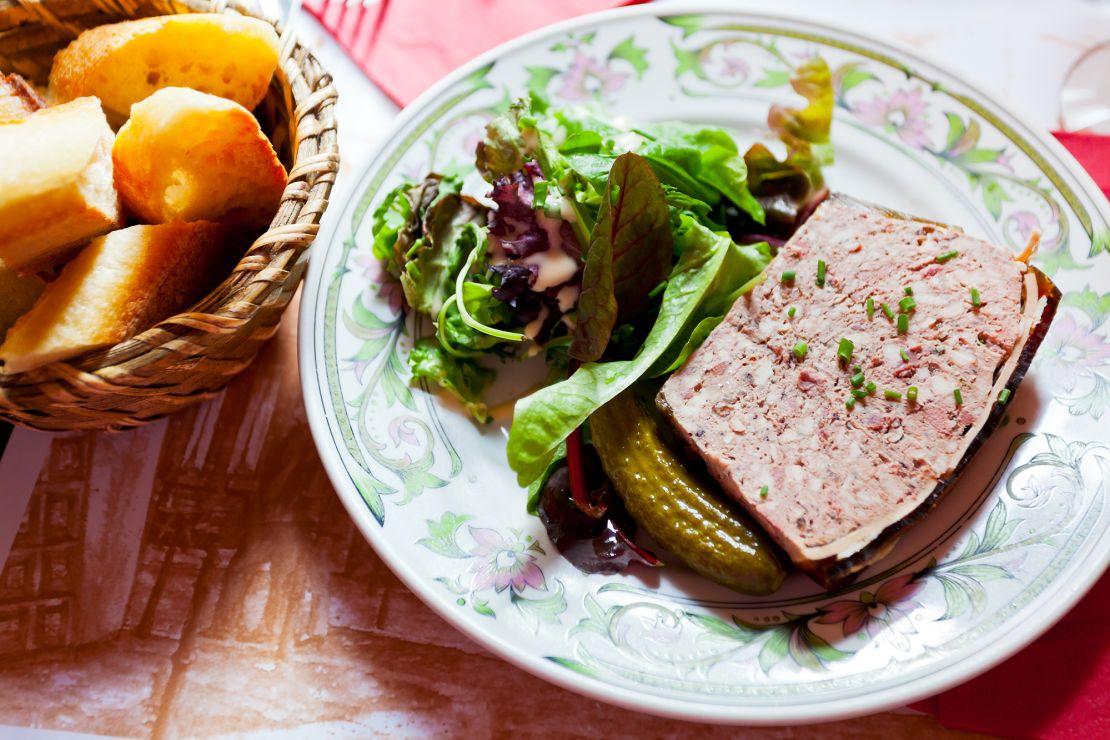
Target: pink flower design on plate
(402, 429)
(902, 113)
(389, 288)
(589, 77)
(874, 612)
(503, 563)
(1071, 352)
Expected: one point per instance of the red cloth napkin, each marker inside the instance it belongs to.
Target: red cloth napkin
(1058, 687)
(1093, 152)
(406, 45)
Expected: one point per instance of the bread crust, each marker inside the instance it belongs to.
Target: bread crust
(119, 285)
(123, 63)
(18, 99)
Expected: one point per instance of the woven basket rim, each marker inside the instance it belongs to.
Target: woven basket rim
(265, 276)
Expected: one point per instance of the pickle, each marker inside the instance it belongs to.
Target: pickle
(680, 512)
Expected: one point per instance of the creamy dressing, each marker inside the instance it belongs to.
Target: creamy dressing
(532, 328)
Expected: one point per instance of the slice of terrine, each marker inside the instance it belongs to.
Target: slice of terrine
(840, 397)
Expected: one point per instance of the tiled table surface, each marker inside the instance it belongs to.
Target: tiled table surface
(199, 577)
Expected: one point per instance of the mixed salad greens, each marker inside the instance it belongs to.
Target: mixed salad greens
(610, 249)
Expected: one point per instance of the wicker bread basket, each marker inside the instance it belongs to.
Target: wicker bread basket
(189, 356)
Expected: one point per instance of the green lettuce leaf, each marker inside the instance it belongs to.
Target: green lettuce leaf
(501, 152)
(463, 378)
(703, 163)
(741, 268)
(807, 129)
(543, 420)
(433, 261)
(630, 253)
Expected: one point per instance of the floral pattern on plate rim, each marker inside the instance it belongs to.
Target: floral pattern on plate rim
(907, 616)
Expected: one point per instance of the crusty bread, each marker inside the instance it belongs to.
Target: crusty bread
(56, 188)
(17, 294)
(119, 285)
(189, 156)
(122, 63)
(18, 99)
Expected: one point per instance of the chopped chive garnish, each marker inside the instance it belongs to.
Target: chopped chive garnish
(911, 394)
(886, 310)
(800, 350)
(870, 387)
(903, 323)
(859, 393)
(909, 290)
(788, 276)
(540, 190)
(945, 256)
(870, 306)
(976, 299)
(791, 311)
(958, 396)
(890, 395)
(844, 351)
(907, 304)
(850, 403)
(905, 355)
(857, 380)
(820, 273)
(857, 369)
(764, 491)
(1004, 396)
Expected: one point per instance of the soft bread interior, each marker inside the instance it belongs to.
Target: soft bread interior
(56, 185)
(119, 285)
(185, 155)
(123, 63)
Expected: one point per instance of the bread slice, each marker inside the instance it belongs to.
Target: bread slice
(18, 99)
(122, 63)
(56, 188)
(117, 286)
(17, 294)
(189, 156)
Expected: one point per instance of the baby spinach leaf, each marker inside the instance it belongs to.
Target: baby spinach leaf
(544, 419)
(463, 378)
(630, 253)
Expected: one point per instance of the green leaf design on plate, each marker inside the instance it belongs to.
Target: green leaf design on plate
(774, 78)
(631, 53)
(546, 609)
(539, 78)
(482, 607)
(1095, 305)
(574, 665)
(442, 535)
(690, 24)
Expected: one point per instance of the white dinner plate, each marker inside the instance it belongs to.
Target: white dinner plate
(1015, 544)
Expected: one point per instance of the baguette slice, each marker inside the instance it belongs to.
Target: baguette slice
(189, 156)
(17, 294)
(56, 185)
(117, 286)
(18, 99)
(122, 63)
